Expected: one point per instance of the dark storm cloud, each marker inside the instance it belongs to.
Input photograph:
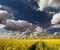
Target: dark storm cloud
(18, 25)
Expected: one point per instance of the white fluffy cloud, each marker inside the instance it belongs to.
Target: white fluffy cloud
(56, 19)
(2, 25)
(52, 7)
(56, 26)
(19, 25)
(48, 3)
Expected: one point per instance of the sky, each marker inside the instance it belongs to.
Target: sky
(26, 11)
(30, 18)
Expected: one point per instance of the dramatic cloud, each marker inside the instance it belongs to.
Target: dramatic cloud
(2, 25)
(48, 3)
(56, 19)
(34, 32)
(52, 7)
(23, 29)
(18, 25)
(38, 32)
(4, 15)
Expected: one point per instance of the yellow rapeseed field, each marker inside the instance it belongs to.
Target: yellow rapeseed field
(39, 44)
